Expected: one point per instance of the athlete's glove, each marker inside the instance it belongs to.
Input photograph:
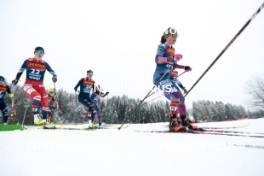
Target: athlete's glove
(54, 78)
(187, 68)
(177, 57)
(185, 90)
(14, 82)
(105, 94)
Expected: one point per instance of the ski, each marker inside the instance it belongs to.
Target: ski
(227, 133)
(232, 131)
(223, 127)
(216, 128)
(211, 132)
(52, 126)
(72, 127)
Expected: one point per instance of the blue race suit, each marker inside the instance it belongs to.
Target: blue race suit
(162, 77)
(87, 96)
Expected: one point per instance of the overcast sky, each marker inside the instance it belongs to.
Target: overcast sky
(118, 40)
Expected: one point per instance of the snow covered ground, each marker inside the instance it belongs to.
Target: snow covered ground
(132, 151)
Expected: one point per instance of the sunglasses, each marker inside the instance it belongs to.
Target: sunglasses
(39, 52)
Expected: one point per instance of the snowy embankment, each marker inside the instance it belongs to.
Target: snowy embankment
(132, 151)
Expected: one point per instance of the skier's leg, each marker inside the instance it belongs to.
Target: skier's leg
(5, 115)
(44, 101)
(175, 120)
(98, 114)
(31, 93)
(4, 110)
(93, 109)
(182, 109)
(180, 102)
(169, 89)
(99, 117)
(85, 101)
(96, 108)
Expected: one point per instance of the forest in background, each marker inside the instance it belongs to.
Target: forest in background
(114, 109)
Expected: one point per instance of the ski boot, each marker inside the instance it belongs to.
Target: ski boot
(189, 123)
(49, 119)
(38, 120)
(90, 124)
(175, 121)
(176, 125)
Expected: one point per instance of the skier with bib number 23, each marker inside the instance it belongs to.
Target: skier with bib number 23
(34, 88)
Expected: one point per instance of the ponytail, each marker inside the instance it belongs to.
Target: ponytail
(163, 39)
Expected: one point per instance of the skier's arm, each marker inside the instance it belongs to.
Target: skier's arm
(8, 90)
(99, 92)
(180, 84)
(178, 66)
(78, 84)
(54, 76)
(160, 59)
(20, 72)
(186, 68)
(50, 69)
(94, 87)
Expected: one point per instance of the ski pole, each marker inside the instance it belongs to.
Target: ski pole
(56, 100)
(25, 112)
(76, 97)
(181, 73)
(13, 93)
(154, 98)
(226, 47)
(54, 85)
(24, 117)
(148, 94)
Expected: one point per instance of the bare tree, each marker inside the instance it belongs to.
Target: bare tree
(257, 92)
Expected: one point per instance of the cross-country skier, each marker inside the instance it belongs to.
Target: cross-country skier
(166, 61)
(35, 70)
(88, 96)
(4, 88)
